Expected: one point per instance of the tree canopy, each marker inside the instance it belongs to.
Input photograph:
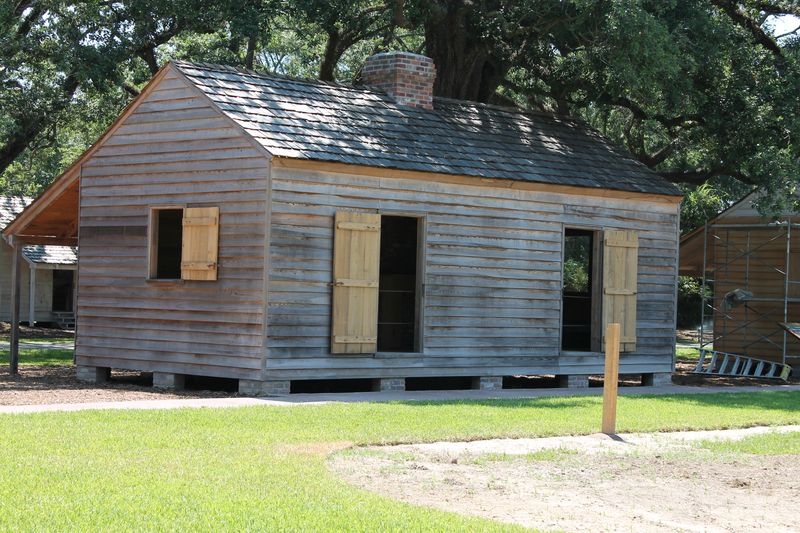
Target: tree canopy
(703, 92)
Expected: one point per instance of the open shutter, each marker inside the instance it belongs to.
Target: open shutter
(620, 276)
(356, 262)
(200, 243)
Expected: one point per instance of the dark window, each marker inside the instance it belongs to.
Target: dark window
(578, 310)
(63, 288)
(397, 295)
(168, 236)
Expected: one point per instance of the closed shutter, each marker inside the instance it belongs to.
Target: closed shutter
(620, 276)
(356, 262)
(200, 243)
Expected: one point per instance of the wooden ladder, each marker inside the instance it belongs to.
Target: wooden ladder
(729, 364)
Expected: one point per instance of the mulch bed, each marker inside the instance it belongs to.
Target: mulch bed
(38, 332)
(37, 385)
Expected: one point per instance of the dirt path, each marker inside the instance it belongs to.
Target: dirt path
(645, 482)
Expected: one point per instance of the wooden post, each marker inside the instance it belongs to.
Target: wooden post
(32, 296)
(610, 379)
(16, 281)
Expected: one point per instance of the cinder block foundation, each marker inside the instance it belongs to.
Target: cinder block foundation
(488, 383)
(93, 374)
(390, 384)
(574, 381)
(168, 381)
(252, 387)
(657, 379)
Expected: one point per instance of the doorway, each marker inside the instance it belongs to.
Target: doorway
(580, 300)
(63, 287)
(398, 299)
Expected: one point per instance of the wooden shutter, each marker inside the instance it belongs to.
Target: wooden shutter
(356, 262)
(620, 276)
(200, 243)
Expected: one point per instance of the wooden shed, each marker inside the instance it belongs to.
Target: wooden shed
(751, 266)
(48, 275)
(272, 230)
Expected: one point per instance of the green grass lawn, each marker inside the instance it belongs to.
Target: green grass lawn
(770, 444)
(684, 353)
(263, 468)
(40, 357)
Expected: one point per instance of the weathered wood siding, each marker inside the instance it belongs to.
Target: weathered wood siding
(754, 330)
(173, 149)
(44, 289)
(492, 298)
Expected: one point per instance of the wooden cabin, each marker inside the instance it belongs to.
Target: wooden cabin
(275, 230)
(48, 276)
(745, 251)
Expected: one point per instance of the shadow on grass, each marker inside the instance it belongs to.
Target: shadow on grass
(768, 400)
(40, 356)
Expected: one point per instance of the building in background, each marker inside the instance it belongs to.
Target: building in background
(49, 276)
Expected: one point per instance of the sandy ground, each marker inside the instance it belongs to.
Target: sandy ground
(36, 385)
(640, 482)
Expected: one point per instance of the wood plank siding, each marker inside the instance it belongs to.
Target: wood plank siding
(492, 276)
(44, 289)
(755, 260)
(174, 149)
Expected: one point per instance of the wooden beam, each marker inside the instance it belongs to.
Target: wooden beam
(345, 168)
(610, 379)
(16, 278)
(39, 239)
(31, 296)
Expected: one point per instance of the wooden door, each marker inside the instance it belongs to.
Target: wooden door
(620, 278)
(356, 264)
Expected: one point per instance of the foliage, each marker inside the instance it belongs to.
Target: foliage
(577, 263)
(690, 291)
(263, 468)
(704, 202)
(697, 90)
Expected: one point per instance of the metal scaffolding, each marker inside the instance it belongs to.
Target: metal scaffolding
(744, 245)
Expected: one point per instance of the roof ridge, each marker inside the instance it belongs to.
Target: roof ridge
(313, 81)
(266, 75)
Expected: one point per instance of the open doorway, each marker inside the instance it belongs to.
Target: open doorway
(63, 287)
(580, 298)
(398, 289)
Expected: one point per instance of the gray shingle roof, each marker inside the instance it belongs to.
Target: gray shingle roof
(306, 119)
(10, 207)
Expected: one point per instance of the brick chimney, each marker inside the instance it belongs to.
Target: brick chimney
(406, 77)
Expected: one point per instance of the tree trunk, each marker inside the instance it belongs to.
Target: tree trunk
(331, 56)
(251, 51)
(465, 68)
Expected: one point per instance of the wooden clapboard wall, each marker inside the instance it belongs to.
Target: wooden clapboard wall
(763, 276)
(44, 289)
(173, 149)
(493, 275)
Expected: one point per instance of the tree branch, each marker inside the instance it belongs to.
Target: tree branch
(741, 19)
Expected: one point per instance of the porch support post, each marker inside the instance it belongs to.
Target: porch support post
(16, 281)
(32, 296)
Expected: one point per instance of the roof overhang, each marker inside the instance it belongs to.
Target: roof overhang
(52, 218)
